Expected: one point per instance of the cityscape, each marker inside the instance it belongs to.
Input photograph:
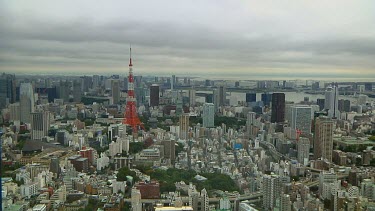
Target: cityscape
(139, 137)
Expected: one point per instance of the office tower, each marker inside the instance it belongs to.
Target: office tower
(285, 203)
(250, 120)
(77, 91)
(301, 118)
(331, 101)
(140, 95)
(362, 99)
(40, 122)
(251, 97)
(64, 90)
(154, 95)
(199, 201)
(368, 87)
(173, 82)
(266, 99)
(184, 126)
(315, 86)
(344, 105)
(115, 92)
(303, 150)
(271, 191)
(221, 96)
(209, 98)
(52, 94)
(278, 107)
(54, 166)
(327, 180)
(207, 82)
(86, 83)
(192, 97)
(323, 138)
(95, 81)
(208, 115)
(179, 107)
(7, 90)
(14, 110)
(169, 150)
(26, 102)
(136, 199)
(320, 103)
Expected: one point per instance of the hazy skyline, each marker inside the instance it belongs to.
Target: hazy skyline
(269, 38)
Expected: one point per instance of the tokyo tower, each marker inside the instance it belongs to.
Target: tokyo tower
(131, 117)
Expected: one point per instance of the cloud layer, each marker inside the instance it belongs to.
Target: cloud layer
(270, 38)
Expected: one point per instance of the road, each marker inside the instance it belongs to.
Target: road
(185, 199)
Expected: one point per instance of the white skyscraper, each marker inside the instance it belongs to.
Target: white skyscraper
(301, 118)
(303, 149)
(136, 200)
(331, 101)
(271, 191)
(192, 100)
(208, 115)
(26, 102)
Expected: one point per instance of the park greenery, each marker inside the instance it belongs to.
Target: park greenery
(168, 178)
(125, 171)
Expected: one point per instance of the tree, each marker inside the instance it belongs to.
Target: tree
(125, 171)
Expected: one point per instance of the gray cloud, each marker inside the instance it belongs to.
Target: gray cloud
(238, 44)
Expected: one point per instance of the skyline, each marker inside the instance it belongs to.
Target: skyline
(216, 38)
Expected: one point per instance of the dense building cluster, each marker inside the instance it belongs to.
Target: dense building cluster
(284, 145)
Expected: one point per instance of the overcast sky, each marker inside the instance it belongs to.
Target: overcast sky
(276, 38)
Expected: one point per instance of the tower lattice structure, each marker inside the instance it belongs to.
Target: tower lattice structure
(131, 118)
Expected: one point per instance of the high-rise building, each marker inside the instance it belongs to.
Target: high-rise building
(40, 122)
(55, 166)
(271, 191)
(221, 95)
(154, 95)
(224, 204)
(344, 105)
(278, 107)
(285, 203)
(77, 91)
(173, 82)
(301, 118)
(266, 99)
(327, 179)
(115, 92)
(14, 112)
(199, 201)
(208, 115)
(303, 150)
(331, 101)
(251, 97)
(320, 103)
(136, 199)
(169, 150)
(250, 120)
(368, 87)
(64, 90)
(26, 102)
(7, 90)
(86, 82)
(192, 97)
(209, 98)
(95, 81)
(323, 138)
(184, 126)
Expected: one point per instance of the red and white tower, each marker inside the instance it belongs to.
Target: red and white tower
(131, 117)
